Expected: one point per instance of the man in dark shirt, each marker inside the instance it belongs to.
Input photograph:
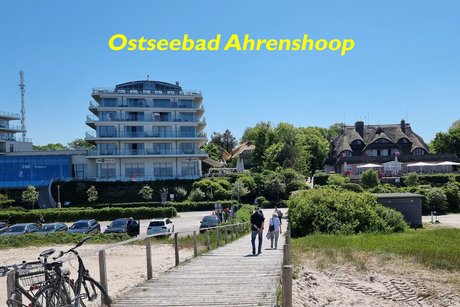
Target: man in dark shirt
(257, 228)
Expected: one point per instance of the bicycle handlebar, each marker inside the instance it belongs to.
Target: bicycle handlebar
(23, 266)
(72, 250)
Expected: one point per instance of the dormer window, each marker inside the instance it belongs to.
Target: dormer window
(382, 141)
(418, 152)
(404, 141)
(346, 153)
(357, 142)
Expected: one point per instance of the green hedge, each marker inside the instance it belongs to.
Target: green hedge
(436, 179)
(333, 211)
(72, 215)
(180, 206)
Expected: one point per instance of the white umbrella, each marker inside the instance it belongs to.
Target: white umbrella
(369, 165)
(420, 164)
(447, 163)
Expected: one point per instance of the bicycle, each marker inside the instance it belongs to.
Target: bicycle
(28, 278)
(65, 292)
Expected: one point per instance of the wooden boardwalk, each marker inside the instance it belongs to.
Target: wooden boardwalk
(227, 276)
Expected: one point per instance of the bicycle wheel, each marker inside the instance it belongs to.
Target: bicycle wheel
(92, 293)
(54, 295)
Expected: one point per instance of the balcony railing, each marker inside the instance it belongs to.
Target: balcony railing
(8, 114)
(13, 138)
(90, 118)
(145, 134)
(146, 104)
(102, 90)
(8, 127)
(145, 152)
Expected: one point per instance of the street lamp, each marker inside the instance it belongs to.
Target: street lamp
(59, 196)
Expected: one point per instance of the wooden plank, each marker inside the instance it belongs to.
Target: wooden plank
(227, 276)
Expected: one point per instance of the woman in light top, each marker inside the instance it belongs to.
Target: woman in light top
(274, 224)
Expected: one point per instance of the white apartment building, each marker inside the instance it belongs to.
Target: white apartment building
(144, 130)
(9, 142)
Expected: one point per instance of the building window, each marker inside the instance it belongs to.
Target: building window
(418, 152)
(186, 117)
(162, 131)
(161, 103)
(108, 102)
(382, 141)
(161, 148)
(371, 153)
(188, 148)
(346, 153)
(189, 169)
(162, 169)
(79, 171)
(134, 169)
(107, 116)
(107, 170)
(107, 148)
(404, 141)
(106, 131)
(186, 103)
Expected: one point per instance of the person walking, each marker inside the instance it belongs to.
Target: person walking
(257, 228)
(274, 226)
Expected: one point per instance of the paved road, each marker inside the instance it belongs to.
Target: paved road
(185, 221)
(452, 220)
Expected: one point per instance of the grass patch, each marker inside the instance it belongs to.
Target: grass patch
(33, 239)
(433, 248)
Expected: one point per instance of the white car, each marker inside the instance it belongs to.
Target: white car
(160, 226)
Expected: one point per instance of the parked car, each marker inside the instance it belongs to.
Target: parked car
(209, 221)
(19, 229)
(4, 226)
(85, 226)
(160, 226)
(118, 226)
(52, 227)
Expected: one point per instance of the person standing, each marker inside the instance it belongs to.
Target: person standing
(257, 228)
(274, 226)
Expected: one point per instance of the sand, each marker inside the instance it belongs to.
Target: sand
(376, 283)
(126, 265)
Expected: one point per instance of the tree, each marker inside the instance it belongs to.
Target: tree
(4, 200)
(92, 194)
(146, 192)
(334, 131)
(224, 140)
(30, 195)
(262, 136)
(447, 142)
(80, 144)
(369, 179)
(212, 150)
(239, 190)
(337, 180)
(48, 147)
(411, 180)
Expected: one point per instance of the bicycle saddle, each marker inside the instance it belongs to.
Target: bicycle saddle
(47, 252)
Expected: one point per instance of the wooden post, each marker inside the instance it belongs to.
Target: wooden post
(195, 245)
(148, 250)
(287, 285)
(103, 273)
(233, 230)
(286, 254)
(11, 285)
(218, 236)
(226, 234)
(208, 241)
(288, 237)
(176, 248)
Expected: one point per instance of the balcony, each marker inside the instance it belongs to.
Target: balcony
(90, 119)
(10, 128)
(9, 115)
(146, 152)
(145, 134)
(13, 138)
(101, 90)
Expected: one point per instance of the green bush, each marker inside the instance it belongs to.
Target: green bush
(369, 179)
(320, 178)
(296, 185)
(71, 215)
(337, 180)
(353, 187)
(244, 213)
(197, 195)
(260, 200)
(452, 192)
(332, 211)
(436, 200)
(411, 180)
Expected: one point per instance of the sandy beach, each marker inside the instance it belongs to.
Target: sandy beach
(126, 265)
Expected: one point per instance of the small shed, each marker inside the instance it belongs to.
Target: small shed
(409, 204)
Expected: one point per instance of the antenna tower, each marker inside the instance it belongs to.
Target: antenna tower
(23, 107)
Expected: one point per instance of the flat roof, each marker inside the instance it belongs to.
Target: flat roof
(398, 195)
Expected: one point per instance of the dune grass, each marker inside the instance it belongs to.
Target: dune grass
(437, 248)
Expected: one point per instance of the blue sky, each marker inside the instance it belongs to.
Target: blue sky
(405, 63)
